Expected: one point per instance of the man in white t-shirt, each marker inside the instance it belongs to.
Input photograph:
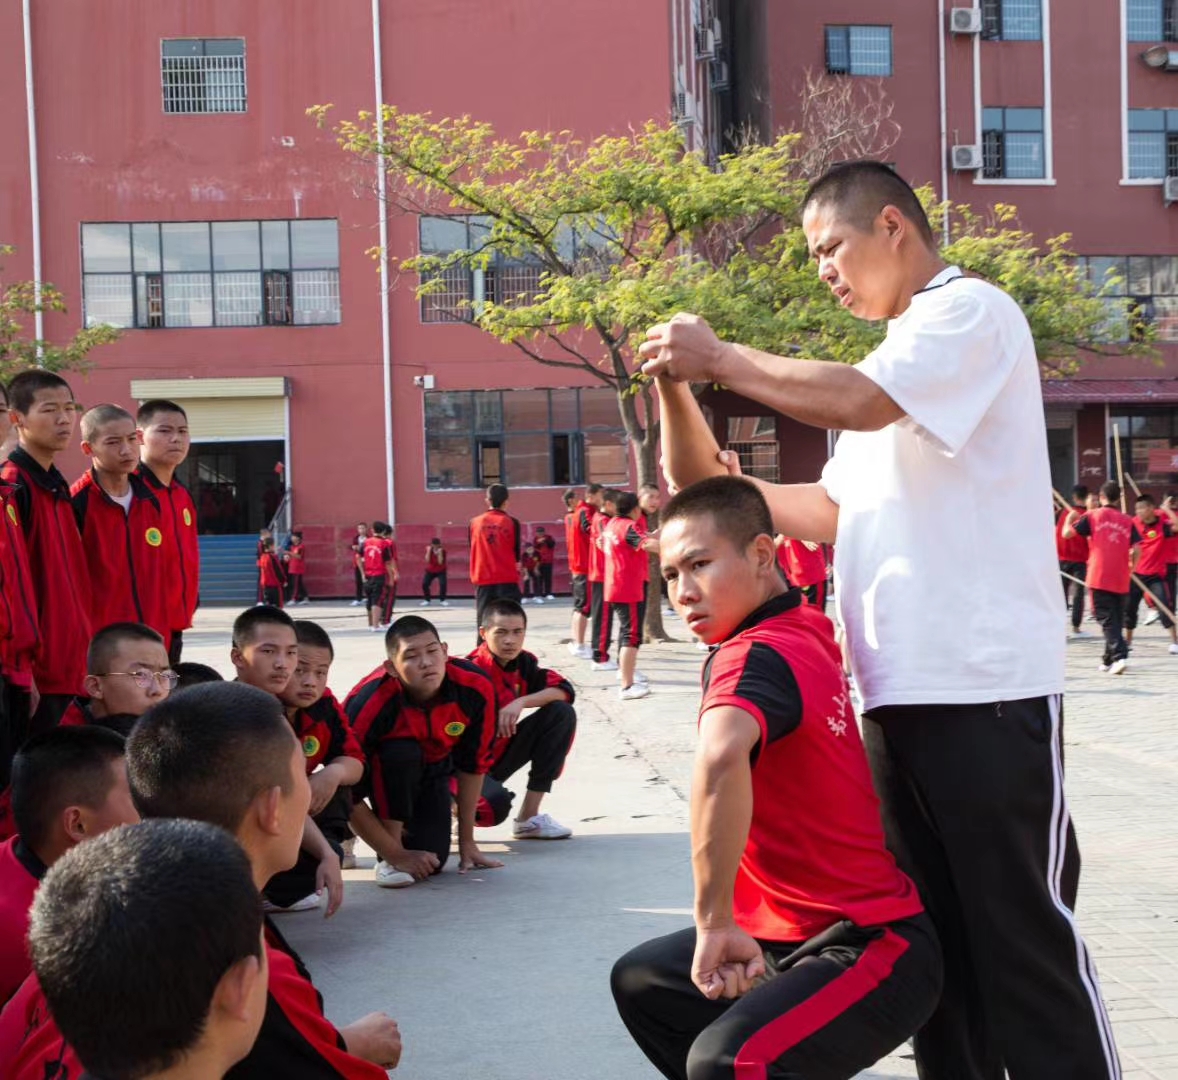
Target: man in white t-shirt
(940, 479)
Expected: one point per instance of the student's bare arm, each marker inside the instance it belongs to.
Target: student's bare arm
(509, 714)
(329, 876)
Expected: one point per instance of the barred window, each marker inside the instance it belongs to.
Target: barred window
(153, 275)
(1142, 286)
(203, 75)
(1012, 144)
(1153, 143)
(859, 50)
(1151, 20)
(1012, 20)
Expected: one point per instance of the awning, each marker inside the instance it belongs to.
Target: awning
(1120, 391)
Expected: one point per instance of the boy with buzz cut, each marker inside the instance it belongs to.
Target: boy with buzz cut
(265, 654)
(43, 410)
(1156, 529)
(271, 575)
(811, 954)
(599, 631)
(68, 785)
(121, 524)
(421, 717)
(541, 740)
(163, 430)
(119, 917)
(332, 756)
(626, 545)
(495, 547)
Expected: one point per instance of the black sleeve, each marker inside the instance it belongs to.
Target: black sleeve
(634, 538)
(24, 503)
(761, 683)
(1083, 527)
(518, 537)
(583, 522)
(79, 503)
(1135, 538)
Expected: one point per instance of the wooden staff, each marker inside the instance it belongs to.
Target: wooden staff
(1120, 467)
(1133, 485)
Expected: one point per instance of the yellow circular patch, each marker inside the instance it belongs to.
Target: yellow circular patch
(154, 537)
(310, 746)
(187, 516)
(12, 514)
(455, 728)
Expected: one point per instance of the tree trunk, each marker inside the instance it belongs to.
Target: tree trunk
(648, 473)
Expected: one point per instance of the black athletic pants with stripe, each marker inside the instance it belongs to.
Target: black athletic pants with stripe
(600, 621)
(974, 810)
(826, 1009)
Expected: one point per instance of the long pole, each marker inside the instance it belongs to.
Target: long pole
(1120, 467)
(382, 209)
(34, 179)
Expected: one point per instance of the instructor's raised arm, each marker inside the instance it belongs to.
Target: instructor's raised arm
(690, 451)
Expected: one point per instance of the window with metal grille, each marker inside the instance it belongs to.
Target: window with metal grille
(153, 275)
(1136, 289)
(1012, 143)
(859, 50)
(1153, 143)
(203, 75)
(1012, 20)
(525, 438)
(1151, 20)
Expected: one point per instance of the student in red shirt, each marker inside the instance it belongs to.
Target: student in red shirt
(388, 596)
(421, 717)
(811, 954)
(546, 548)
(1113, 545)
(68, 785)
(379, 569)
(355, 547)
(44, 411)
(435, 570)
(1156, 533)
(1172, 552)
(495, 538)
(529, 562)
(1073, 558)
(578, 525)
(126, 913)
(541, 740)
(121, 524)
(334, 762)
(271, 575)
(163, 429)
(295, 558)
(599, 629)
(626, 545)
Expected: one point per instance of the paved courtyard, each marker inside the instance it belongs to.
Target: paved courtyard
(503, 975)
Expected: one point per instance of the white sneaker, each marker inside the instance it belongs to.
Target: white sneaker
(550, 597)
(634, 692)
(525, 600)
(605, 665)
(540, 827)
(444, 603)
(585, 652)
(1151, 618)
(375, 629)
(307, 903)
(1117, 667)
(356, 603)
(1076, 635)
(389, 877)
(1103, 667)
(537, 601)
(575, 649)
(639, 677)
(1174, 650)
(424, 603)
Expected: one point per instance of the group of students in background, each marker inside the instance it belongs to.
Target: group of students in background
(1119, 560)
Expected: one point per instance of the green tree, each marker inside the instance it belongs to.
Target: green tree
(19, 350)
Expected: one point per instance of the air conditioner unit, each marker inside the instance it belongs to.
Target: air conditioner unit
(966, 20)
(718, 33)
(684, 108)
(1170, 189)
(705, 43)
(720, 77)
(967, 157)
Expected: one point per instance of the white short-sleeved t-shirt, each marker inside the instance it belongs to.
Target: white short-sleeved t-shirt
(945, 568)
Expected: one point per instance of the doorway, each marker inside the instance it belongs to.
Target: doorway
(236, 486)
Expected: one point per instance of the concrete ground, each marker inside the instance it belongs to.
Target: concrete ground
(503, 975)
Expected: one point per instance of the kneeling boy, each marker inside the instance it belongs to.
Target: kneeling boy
(543, 739)
(421, 717)
(811, 954)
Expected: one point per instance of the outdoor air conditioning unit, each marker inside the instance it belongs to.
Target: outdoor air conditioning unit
(718, 33)
(1170, 189)
(705, 43)
(967, 157)
(684, 108)
(721, 79)
(965, 20)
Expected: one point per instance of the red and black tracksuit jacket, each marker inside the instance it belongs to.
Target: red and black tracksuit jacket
(57, 564)
(457, 725)
(181, 546)
(20, 633)
(125, 555)
(324, 733)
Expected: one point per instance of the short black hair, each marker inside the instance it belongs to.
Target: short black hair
(859, 190)
(407, 626)
(119, 917)
(1147, 498)
(25, 386)
(1080, 492)
(435, 540)
(312, 634)
(193, 674)
(627, 500)
(571, 495)
(592, 489)
(247, 623)
(107, 641)
(505, 606)
(64, 766)
(294, 533)
(1111, 490)
(736, 506)
(207, 752)
(610, 494)
(98, 417)
(149, 410)
(497, 495)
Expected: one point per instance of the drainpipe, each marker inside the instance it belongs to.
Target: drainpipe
(382, 207)
(34, 177)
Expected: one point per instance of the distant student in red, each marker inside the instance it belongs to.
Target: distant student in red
(529, 562)
(1113, 541)
(435, 570)
(1073, 558)
(625, 544)
(295, 558)
(265, 537)
(495, 543)
(163, 429)
(1156, 531)
(546, 548)
(122, 527)
(44, 411)
(599, 632)
(578, 524)
(1172, 552)
(811, 955)
(377, 566)
(388, 599)
(271, 575)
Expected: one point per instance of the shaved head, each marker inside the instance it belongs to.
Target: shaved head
(856, 192)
